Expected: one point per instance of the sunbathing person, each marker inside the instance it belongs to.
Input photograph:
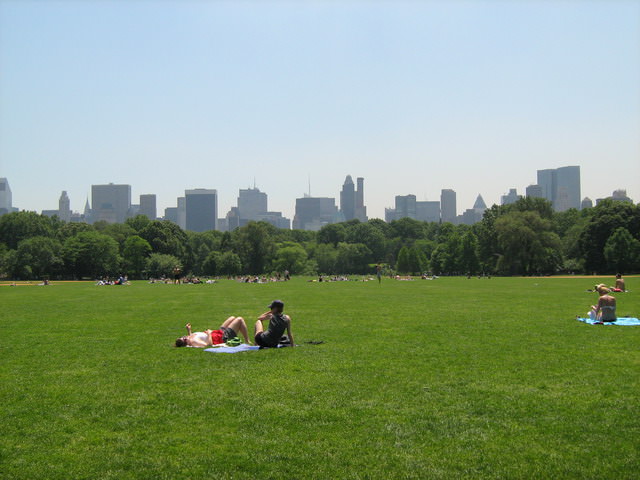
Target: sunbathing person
(278, 323)
(619, 287)
(605, 310)
(228, 330)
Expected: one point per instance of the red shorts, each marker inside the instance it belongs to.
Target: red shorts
(216, 337)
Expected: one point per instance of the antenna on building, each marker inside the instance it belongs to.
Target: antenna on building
(309, 184)
(254, 183)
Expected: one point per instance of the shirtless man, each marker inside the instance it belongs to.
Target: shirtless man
(619, 283)
(228, 330)
(278, 323)
(605, 310)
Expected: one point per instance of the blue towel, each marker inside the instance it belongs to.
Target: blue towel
(626, 321)
(240, 348)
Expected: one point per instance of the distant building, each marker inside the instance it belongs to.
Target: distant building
(171, 214)
(251, 203)
(182, 212)
(201, 206)
(50, 213)
(276, 219)
(586, 203)
(313, 213)
(64, 207)
(5, 197)
(448, 207)
(534, 191)
(148, 206)
(618, 196)
(561, 186)
(352, 200)
(428, 211)
(405, 207)
(110, 203)
(511, 197)
(473, 215)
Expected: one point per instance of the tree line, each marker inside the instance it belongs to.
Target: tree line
(524, 238)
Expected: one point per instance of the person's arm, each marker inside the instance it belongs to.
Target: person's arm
(265, 316)
(188, 326)
(293, 343)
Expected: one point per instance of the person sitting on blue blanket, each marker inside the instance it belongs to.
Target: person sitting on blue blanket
(278, 323)
(228, 330)
(605, 310)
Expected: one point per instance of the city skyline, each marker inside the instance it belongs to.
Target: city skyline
(415, 97)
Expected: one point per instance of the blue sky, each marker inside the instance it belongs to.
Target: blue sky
(414, 96)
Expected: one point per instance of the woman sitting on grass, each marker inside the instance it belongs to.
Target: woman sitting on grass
(228, 330)
(605, 310)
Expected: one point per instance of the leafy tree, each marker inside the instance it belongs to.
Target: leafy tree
(91, 254)
(468, 257)
(40, 256)
(230, 264)
(138, 223)
(407, 228)
(211, 264)
(119, 232)
(368, 235)
(622, 251)
(70, 229)
(333, 234)
(439, 259)
(353, 258)
(166, 237)
(18, 226)
(325, 256)
(404, 263)
(290, 256)
(255, 246)
(136, 251)
(161, 265)
(453, 264)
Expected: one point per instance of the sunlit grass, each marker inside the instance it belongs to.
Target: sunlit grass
(426, 379)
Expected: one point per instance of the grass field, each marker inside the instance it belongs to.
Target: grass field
(451, 378)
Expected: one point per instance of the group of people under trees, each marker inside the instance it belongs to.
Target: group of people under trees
(605, 309)
(279, 322)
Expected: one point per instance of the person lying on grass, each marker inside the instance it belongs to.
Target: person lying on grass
(228, 330)
(278, 323)
(605, 310)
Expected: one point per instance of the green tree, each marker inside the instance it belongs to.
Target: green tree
(138, 223)
(325, 256)
(211, 264)
(18, 226)
(290, 256)
(136, 251)
(255, 246)
(161, 265)
(230, 264)
(353, 258)
(404, 263)
(166, 237)
(368, 235)
(40, 256)
(333, 234)
(469, 257)
(622, 251)
(91, 254)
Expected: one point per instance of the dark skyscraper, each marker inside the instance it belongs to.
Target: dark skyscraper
(348, 199)
(561, 186)
(110, 203)
(148, 206)
(201, 209)
(448, 207)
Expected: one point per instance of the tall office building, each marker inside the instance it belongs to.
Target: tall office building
(511, 197)
(561, 186)
(251, 203)
(534, 191)
(428, 211)
(5, 197)
(405, 207)
(348, 199)
(313, 213)
(148, 206)
(110, 203)
(201, 206)
(181, 214)
(352, 200)
(448, 207)
(171, 214)
(64, 207)
(586, 203)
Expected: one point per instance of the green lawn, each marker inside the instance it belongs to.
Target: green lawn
(451, 378)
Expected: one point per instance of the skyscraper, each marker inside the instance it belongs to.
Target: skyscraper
(428, 211)
(64, 207)
(148, 206)
(348, 199)
(561, 186)
(448, 207)
(181, 214)
(511, 197)
(361, 209)
(534, 191)
(201, 209)
(312, 213)
(5, 197)
(110, 203)
(251, 203)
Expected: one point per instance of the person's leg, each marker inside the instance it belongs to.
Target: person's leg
(237, 324)
(258, 328)
(227, 322)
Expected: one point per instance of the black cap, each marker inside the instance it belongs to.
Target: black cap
(276, 303)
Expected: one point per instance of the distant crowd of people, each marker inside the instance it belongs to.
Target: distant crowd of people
(121, 280)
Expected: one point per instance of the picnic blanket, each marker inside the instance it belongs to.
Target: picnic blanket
(243, 347)
(625, 321)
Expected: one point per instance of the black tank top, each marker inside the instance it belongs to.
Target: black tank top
(277, 326)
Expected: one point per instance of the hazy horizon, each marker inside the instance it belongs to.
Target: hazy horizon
(415, 97)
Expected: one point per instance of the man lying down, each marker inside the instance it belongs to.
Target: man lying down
(228, 330)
